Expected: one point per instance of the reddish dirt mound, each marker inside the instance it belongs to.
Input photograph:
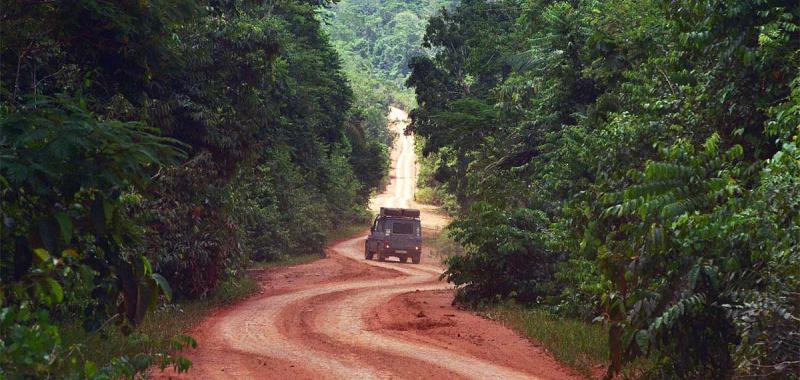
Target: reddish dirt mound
(430, 318)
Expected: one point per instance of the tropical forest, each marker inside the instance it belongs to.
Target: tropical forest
(603, 189)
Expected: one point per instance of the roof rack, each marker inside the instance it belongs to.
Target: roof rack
(400, 212)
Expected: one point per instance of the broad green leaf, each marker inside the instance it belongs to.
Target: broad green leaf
(70, 252)
(41, 254)
(643, 339)
(66, 226)
(147, 268)
(163, 284)
(693, 274)
(89, 369)
(55, 289)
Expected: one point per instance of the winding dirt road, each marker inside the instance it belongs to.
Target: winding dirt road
(343, 317)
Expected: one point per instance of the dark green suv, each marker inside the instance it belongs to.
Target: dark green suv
(396, 232)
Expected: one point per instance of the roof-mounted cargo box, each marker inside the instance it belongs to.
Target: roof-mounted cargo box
(400, 212)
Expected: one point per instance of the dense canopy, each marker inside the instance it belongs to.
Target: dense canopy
(633, 162)
(156, 148)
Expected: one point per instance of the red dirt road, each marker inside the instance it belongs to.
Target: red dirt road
(343, 317)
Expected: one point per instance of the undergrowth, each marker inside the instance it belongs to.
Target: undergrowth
(349, 230)
(160, 330)
(439, 243)
(169, 322)
(427, 195)
(287, 261)
(580, 345)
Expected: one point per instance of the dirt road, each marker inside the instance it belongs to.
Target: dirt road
(343, 317)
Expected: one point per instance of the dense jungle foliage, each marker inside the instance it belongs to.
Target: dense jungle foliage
(152, 149)
(377, 40)
(633, 162)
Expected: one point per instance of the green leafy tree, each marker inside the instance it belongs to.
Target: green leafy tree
(67, 177)
(143, 143)
(645, 135)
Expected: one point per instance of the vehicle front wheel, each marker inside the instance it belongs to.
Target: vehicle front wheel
(415, 259)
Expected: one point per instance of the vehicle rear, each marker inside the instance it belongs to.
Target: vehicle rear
(402, 239)
(396, 232)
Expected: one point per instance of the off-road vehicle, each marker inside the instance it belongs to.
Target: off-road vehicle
(396, 232)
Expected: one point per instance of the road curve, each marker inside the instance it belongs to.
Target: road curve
(313, 321)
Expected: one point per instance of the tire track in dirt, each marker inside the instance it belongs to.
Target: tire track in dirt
(300, 323)
(343, 319)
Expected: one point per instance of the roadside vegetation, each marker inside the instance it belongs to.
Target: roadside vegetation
(151, 151)
(340, 232)
(165, 327)
(438, 243)
(573, 342)
(161, 332)
(431, 189)
(634, 163)
(351, 229)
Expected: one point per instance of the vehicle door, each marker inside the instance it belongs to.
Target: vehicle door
(375, 235)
